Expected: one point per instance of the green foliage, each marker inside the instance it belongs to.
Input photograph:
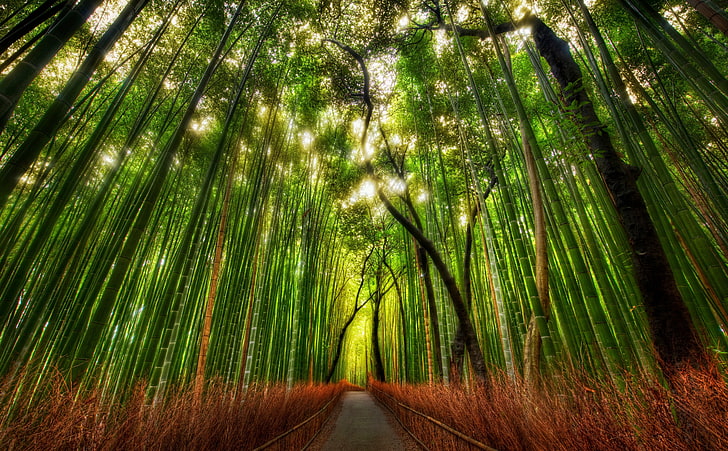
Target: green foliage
(289, 176)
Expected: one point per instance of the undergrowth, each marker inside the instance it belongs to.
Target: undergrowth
(63, 418)
(570, 413)
(573, 413)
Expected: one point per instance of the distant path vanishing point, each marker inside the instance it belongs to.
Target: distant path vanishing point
(362, 425)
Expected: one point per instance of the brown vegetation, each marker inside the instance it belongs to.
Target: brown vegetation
(64, 419)
(576, 414)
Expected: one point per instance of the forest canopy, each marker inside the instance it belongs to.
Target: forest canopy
(309, 191)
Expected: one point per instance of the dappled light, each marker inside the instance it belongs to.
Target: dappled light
(507, 220)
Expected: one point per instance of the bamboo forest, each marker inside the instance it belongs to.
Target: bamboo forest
(505, 218)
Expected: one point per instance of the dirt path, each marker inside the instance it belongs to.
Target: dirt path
(362, 425)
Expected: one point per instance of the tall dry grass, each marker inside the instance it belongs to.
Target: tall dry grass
(575, 413)
(62, 418)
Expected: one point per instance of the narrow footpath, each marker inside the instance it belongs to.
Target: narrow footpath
(362, 425)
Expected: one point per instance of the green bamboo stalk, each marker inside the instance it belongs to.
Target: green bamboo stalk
(14, 84)
(53, 119)
(105, 304)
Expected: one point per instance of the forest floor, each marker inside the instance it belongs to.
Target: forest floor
(360, 423)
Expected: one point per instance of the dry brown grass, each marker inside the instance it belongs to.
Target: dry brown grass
(574, 414)
(61, 418)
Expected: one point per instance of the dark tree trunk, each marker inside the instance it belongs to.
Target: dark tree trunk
(432, 307)
(339, 345)
(378, 363)
(457, 361)
(457, 347)
(32, 21)
(471, 340)
(674, 338)
(357, 307)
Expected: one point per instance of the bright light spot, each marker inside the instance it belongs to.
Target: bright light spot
(632, 96)
(357, 127)
(676, 12)
(111, 56)
(403, 22)
(103, 17)
(379, 211)
(521, 12)
(201, 126)
(306, 139)
(441, 41)
(396, 185)
(314, 168)
(422, 197)
(368, 152)
(463, 220)
(527, 8)
(365, 154)
(312, 37)
(384, 114)
(463, 13)
(524, 31)
(367, 190)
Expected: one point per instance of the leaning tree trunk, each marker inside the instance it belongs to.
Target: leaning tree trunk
(674, 338)
(471, 339)
(17, 81)
(56, 114)
(357, 307)
(35, 19)
(378, 363)
(457, 347)
(340, 345)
